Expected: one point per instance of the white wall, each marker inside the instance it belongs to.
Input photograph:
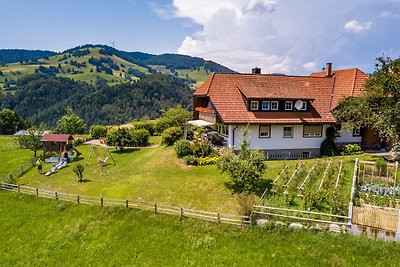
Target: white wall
(348, 138)
(276, 141)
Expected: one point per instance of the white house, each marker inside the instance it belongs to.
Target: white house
(286, 116)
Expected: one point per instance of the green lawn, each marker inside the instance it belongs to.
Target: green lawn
(155, 174)
(42, 232)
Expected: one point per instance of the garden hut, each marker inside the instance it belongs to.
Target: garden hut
(57, 142)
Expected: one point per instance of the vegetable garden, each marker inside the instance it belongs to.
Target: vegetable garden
(321, 185)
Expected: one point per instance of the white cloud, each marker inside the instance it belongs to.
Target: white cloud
(279, 35)
(355, 26)
(386, 14)
(311, 66)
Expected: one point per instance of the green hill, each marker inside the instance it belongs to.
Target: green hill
(90, 63)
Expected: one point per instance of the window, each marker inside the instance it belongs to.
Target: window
(338, 128)
(304, 106)
(357, 131)
(265, 131)
(287, 132)
(254, 105)
(274, 105)
(265, 105)
(312, 131)
(289, 105)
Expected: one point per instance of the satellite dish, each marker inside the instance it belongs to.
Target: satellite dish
(298, 104)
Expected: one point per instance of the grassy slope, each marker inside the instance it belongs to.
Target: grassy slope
(11, 156)
(10, 70)
(41, 232)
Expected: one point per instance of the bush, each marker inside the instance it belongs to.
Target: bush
(97, 131)
(148, 125)
(207, 161)
(202, 149)
(349, 149)
(140, 137)
(78, 170)
(183, 148)
(190, 160)
(173, 117)
(171, 135)
(119, 138)
(328, 146)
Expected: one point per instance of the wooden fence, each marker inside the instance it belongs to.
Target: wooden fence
(23, 169)
(376, 217)
(156, 207)
(302, 215)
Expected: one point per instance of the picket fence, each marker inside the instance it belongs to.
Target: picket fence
(151, 206)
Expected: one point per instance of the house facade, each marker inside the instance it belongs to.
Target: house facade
(285, 116)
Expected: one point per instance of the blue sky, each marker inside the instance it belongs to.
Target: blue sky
(287, 36)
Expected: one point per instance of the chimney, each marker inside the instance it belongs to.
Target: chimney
(256, 70)
(328, 70)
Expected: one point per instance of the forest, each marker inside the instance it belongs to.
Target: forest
(40, 98)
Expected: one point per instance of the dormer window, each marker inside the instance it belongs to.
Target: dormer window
(274, 105)
(254, 105)
(265, 105)
(304, 106)
(289, 105)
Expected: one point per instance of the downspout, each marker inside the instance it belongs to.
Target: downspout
(233, 135)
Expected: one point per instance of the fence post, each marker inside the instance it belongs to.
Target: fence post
(18, 189)
(350, 220)
(102, 202)
(77, 199)
(218, 218)
(181, 212)
(155, 207)
(37, 192)
(127, 203)
(398, 229)
(56, 194)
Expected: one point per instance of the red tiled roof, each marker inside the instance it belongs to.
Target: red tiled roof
(227, 93)
(349, 82)
(57, 137)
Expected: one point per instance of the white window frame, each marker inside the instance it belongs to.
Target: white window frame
(291, 131)
(357, 131)
(304, 106)
(264, 134)
(268, 105)
(277, 105)
(251, 105)
(286, 105)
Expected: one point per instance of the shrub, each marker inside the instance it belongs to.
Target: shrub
(190, 160)
(97, 131)
(148, 125)
(140, 137)
(207, 161)
(202, 148)
(171, 135)
(119, 138)
(349, 149)
(173, 117)
(328, 147)
(183, 148)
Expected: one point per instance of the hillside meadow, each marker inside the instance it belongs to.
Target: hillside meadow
(151, 174)
(42, 232)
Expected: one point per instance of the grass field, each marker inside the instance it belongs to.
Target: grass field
(153, 174)
(41, 232)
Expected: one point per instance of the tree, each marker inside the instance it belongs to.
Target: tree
(78, 170)
(120, 138)
(10, 122)
(380, 106)
(245, 169)
(70, 123)
(173, 117)
(32, 140)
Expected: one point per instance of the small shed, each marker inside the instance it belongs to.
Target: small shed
(57, 142)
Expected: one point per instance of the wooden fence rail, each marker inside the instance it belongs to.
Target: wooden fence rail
(156, 207)
(376, 217)
(21, 170)
(302, 215)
